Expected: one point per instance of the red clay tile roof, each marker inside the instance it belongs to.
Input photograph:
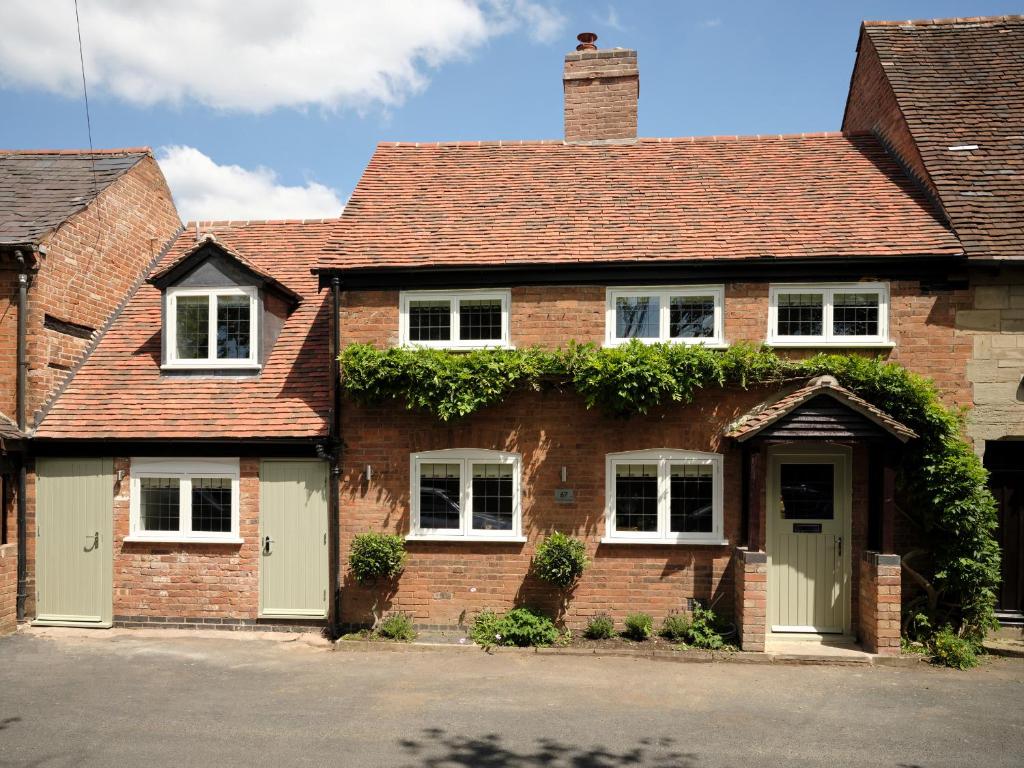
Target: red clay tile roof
(960, 83)
(768, 413)
(41, 189)
(9, 430)
(818, 195)
(120, 393)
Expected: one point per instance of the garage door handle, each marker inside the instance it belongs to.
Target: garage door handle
(267, 545)
(95, 538)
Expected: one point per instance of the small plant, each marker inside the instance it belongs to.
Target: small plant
(397, 626)
(377, 556)
(524, 627)
(951, 650)
(485, 631)
(676, 627)
(702, 632)
(560, 560)
(600, 627)
(639, 626)
(912, 646)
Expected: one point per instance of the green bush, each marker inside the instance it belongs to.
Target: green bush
(702, 632)
(639, 626)
(377, 556)
(486, 628)
(600, 627)
(521, 627)
(676, 627)
(397, 626)
(560, 560)
(951, 650)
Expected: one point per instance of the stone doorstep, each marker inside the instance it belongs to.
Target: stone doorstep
(682, 657)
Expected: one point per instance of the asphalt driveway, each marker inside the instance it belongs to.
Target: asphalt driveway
(121, 699)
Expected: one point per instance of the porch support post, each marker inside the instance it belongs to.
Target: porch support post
(757, 467)
(888, 517)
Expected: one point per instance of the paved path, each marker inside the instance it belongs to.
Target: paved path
(121, 699)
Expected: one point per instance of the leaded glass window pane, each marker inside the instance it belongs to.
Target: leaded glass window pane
(636, 497)
(480, 320)
(159, 503)
(855, 314)
(807, 491)
(430, 321)
(637, 317)
(800, 314)
(492, 497)
(691, 498)
(691, 317)
(439, 496)
(233, 324)
(192, 327)
(211, 504)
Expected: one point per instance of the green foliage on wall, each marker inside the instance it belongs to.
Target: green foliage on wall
(942, 482)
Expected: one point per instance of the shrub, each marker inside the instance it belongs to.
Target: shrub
(486, 629)
(675, 627)
(377, 555)
(702, 632)
(524, 627)
(600, 627)
(397, 626)
(950, 649)
(560, 560)
(639, 626)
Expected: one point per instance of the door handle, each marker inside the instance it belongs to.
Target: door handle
(839, 546)
(95, 539)
(268, 544)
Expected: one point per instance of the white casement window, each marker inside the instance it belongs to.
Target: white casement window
(212, 327)
(684, 314)
(463, 494)
(664, 497)
(189, 500)
(468, 319)
(847, 315)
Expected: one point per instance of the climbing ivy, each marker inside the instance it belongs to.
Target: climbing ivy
(942, 482)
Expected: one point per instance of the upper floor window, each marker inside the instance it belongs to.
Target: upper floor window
(690, 314)
(465, 493)
(455, 319)
(212, 327)
(664, 497)
(854, 314)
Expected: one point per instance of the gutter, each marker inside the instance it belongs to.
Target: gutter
(22, 387)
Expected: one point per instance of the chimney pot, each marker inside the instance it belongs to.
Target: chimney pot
(587, 40)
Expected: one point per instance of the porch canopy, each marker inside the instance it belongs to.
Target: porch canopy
(821, 411)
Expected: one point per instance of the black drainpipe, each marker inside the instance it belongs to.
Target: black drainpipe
(334, 428)
(22, 386)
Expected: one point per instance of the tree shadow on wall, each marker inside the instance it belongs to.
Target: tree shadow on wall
(436, 748)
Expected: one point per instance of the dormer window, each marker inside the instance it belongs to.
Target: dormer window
(212, 327)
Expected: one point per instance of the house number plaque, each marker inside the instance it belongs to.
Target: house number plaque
(565, 495)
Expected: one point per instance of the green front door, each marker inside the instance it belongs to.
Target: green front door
(293, 539)
(74, 512)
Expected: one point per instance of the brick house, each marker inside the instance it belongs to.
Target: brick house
(208, 434)
(946, 97)
(77, 231)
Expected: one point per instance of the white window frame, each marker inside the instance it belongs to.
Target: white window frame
(829, 338)
(466, 458)
(184, 470)
(664, 458)
(455, 298)
(665, 294)
(211, 360)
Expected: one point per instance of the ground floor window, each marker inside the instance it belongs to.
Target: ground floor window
(465, 493)
(184, 499)
(664, 496)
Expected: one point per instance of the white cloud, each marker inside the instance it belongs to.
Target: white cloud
(204, 190)
(611, 19)
(258, 55)
(710, 23)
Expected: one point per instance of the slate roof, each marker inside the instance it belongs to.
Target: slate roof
(120, 392)
(492, 203)
(39, 190)
(960, 83)
(770, 412)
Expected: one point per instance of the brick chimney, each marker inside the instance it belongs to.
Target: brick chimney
(601, 92)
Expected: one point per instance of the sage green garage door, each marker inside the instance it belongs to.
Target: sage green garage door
(74, 509)
(293, 539)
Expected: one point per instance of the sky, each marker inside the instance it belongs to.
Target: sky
(274, 111)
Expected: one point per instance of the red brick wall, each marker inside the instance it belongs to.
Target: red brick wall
(879, 599)
(601, 93)
(751, 569)
(8, 342)
(188, 581)
(92, 261)
(872, 106)
(8, 588)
